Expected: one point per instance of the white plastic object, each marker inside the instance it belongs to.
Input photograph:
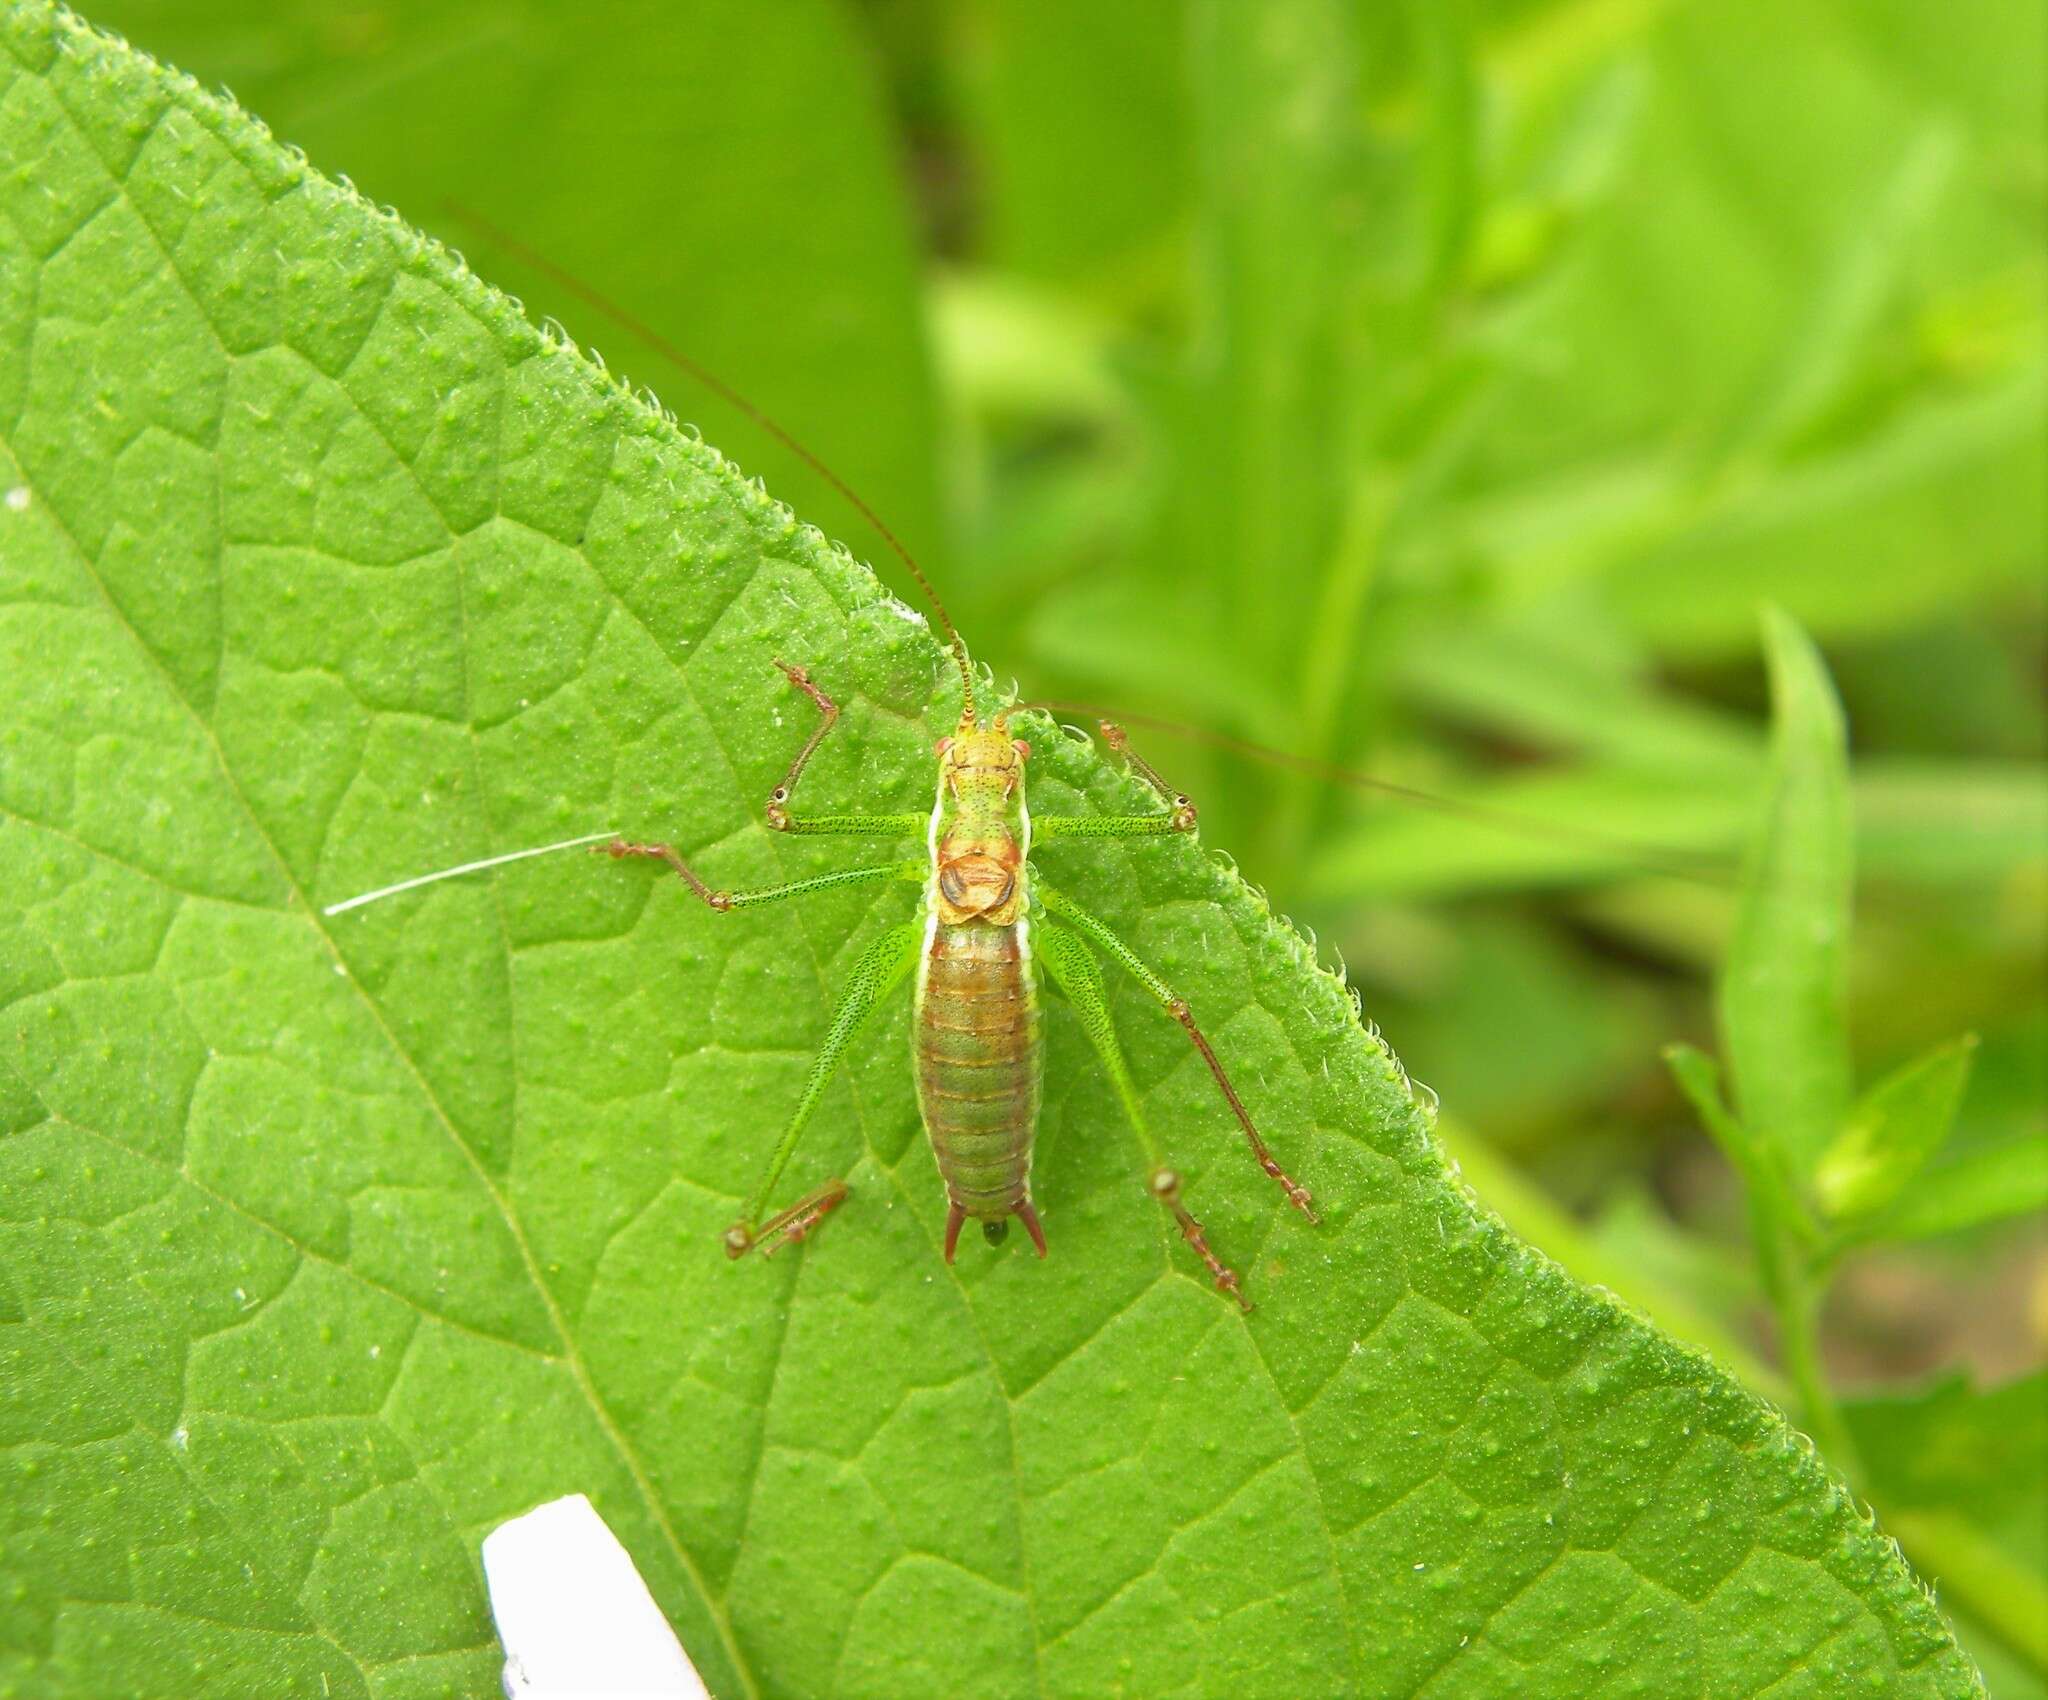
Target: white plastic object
(576, 1620)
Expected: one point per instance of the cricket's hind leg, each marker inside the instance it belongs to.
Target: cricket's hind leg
(1089, 927)
(1074, 971)
(787, 1227)
(884, 964)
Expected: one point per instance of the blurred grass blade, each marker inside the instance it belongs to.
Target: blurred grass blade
(1257, 499)
(1896, 1126)
(1449, 161)
(1848, 300)
(1783, 993)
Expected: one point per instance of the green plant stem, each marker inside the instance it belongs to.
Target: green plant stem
(1796, 1286)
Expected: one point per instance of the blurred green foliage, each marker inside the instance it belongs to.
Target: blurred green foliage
(1438, 389)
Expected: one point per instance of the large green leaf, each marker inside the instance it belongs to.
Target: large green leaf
(327, 1244)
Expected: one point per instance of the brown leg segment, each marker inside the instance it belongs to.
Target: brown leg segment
(1179, 802)
(787, 1227)
(619, 848)
(828, 717)
(1166, 1188)
(1297, 1194)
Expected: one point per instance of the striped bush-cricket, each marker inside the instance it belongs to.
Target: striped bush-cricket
(989, 934)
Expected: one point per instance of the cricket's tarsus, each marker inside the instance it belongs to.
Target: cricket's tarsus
(1166, 1188)
(787, 1227)
(828, 717)
(1178, 801)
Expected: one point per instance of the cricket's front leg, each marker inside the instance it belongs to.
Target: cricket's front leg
(777, 812)
(1180, 813)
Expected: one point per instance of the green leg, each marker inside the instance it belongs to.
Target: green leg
(1109, 826)
(880, 969)
(1180, 807)
(1073, 971)
(620, 848)
(830, 826)
(848, 826)
(1176, 1006)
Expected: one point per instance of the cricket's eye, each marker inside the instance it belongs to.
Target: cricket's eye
(1022, 747)
(942, 746)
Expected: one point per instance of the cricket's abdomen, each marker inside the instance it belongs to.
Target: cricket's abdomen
(979, 1063)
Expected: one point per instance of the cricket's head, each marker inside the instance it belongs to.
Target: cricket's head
(982, 827)
(982, 765)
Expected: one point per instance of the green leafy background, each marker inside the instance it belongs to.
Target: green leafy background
(330, 1244)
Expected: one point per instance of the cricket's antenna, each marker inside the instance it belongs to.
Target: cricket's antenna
(1655, 858)
(418, 880)
(638, 327)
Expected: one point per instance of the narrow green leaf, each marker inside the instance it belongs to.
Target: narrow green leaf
(1991, 1185)
(328, 1242)
(1783, 992)
(1699, 1078)
(1449, 164)
(1927, 825)
(1894, 1128)
(1756, 1160)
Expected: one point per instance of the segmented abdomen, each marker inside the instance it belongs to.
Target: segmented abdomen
(979, 1062)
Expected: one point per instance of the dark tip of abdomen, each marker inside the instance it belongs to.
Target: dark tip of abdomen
(997, 1231)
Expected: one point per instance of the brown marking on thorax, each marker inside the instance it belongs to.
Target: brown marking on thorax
(978, 879)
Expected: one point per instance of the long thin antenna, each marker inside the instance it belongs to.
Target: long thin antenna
(419, 880)
(661, 345)
(1677, 864)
